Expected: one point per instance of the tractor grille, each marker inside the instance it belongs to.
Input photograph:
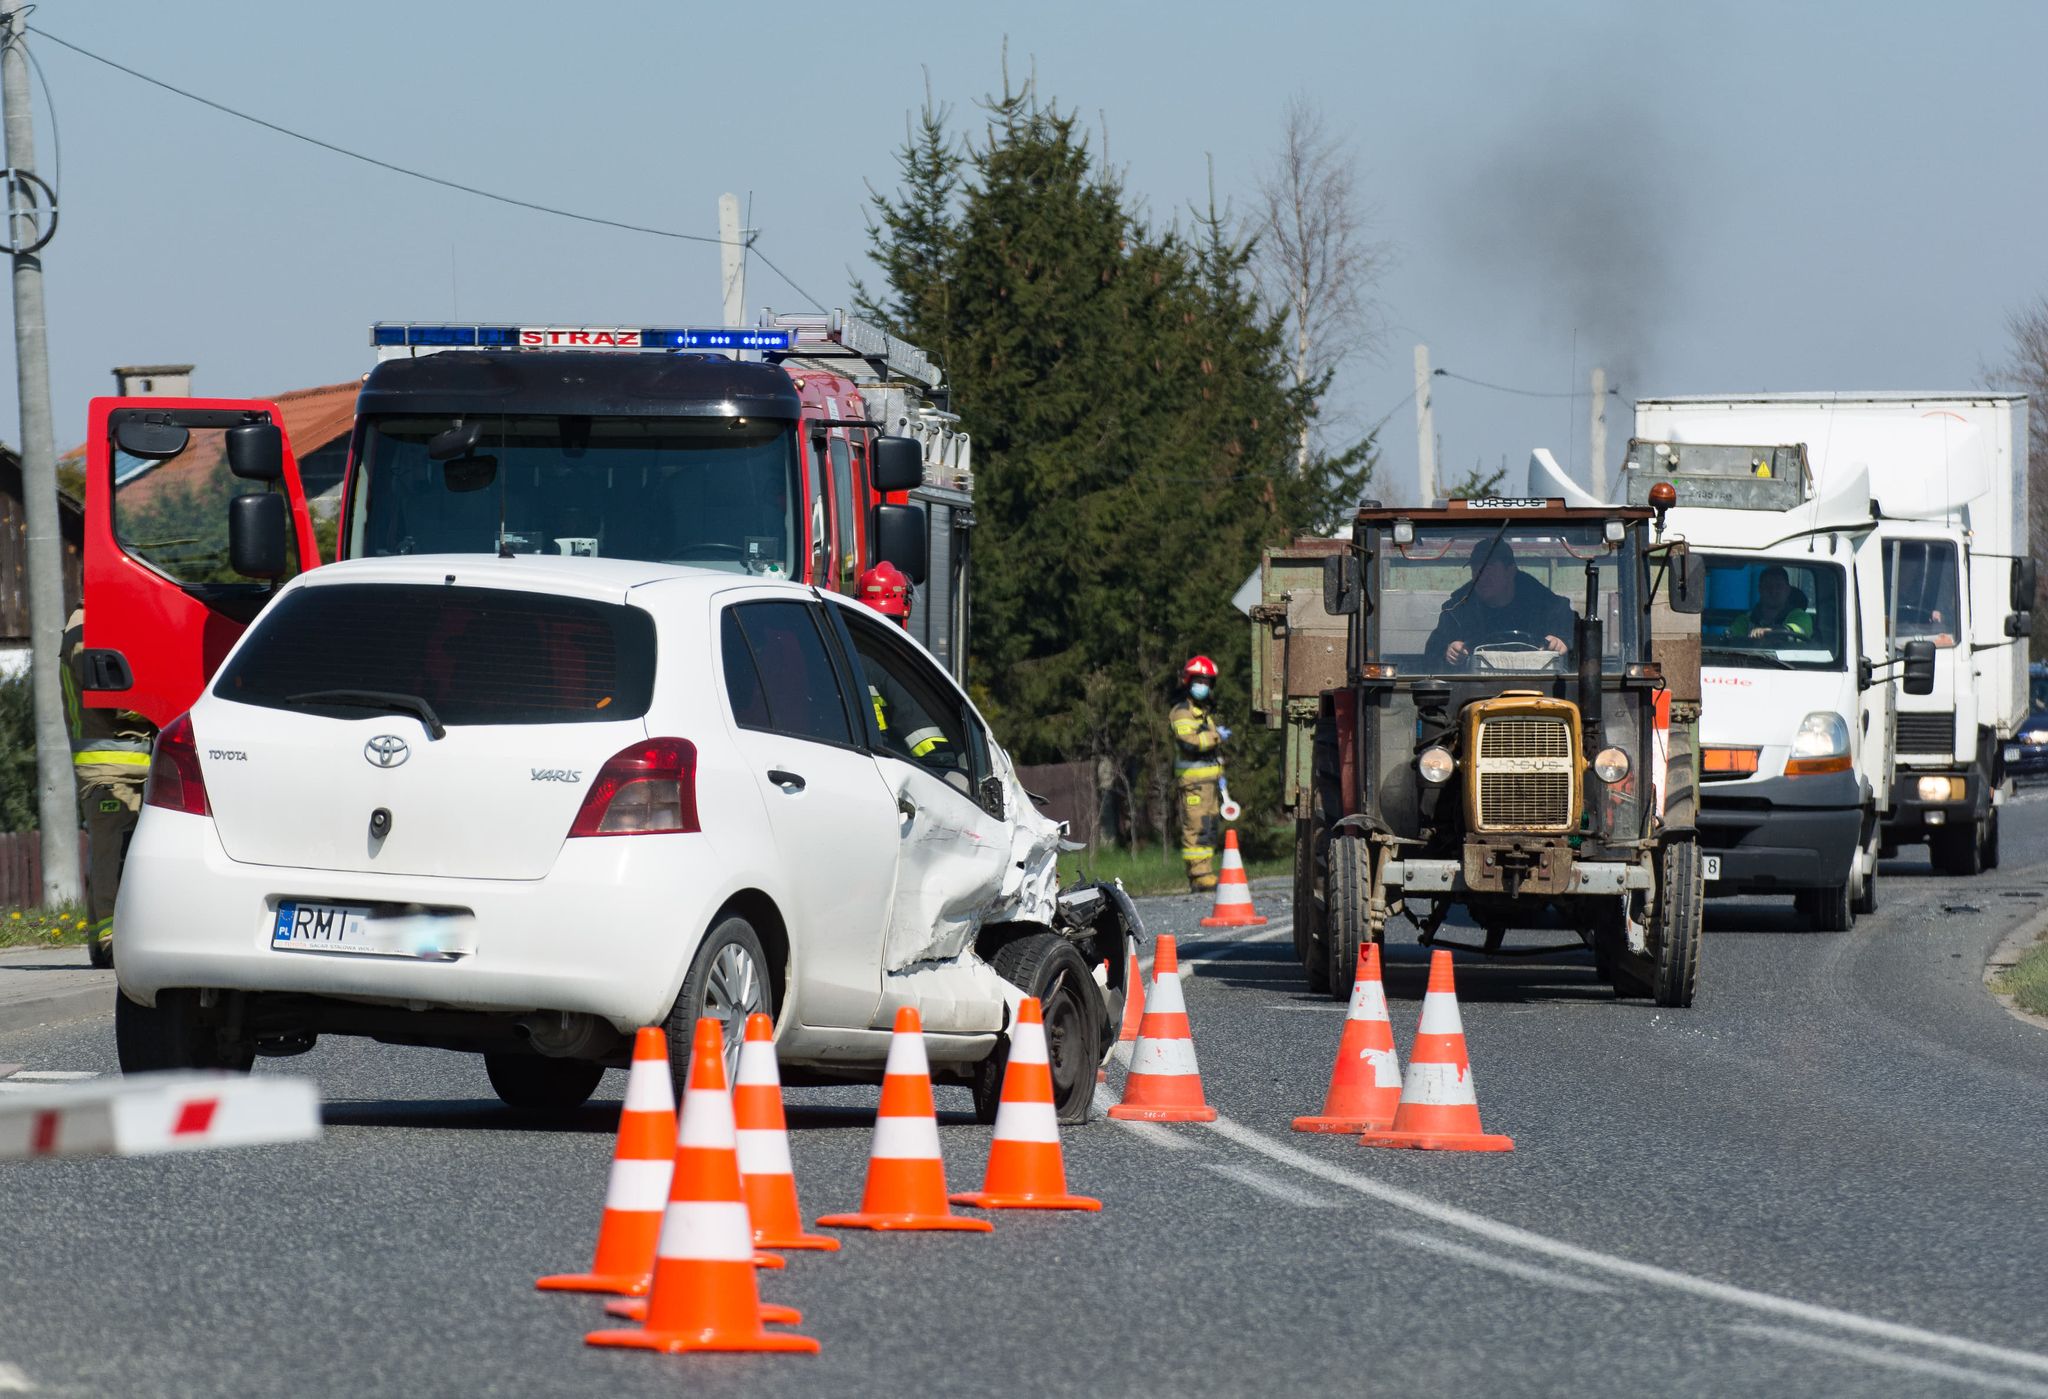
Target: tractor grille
(1927, 733)
(1525, 771)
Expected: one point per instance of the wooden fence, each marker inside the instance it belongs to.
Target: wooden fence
(21, 868)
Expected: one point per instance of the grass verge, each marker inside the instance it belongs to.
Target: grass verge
(43, 927)
(2027, 980)
(1148, 870)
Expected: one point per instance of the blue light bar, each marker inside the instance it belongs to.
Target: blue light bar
(389, 334)
(719, 339)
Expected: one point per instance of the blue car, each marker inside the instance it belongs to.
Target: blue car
(2027, 755)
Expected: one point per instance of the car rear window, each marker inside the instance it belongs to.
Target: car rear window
(477, 655)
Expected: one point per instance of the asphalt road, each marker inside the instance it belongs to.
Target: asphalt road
(1826, 1177)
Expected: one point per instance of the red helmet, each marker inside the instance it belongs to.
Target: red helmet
(1198, 668)
(885, 589)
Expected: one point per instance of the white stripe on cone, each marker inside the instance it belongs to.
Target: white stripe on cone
(647, 1087)
(1229, 893)
(1438, 1085)
(1027, 1122)
(1164, 997)
(706, 1119)
(906, 1057)
(764, 1152)
(716, 1231)
(1386, 1067)
(757, 1064)
(1027, 1044)
(640, 1186)
(1368, 1001)
(1164, 1056)
(905, 1139)
(1440, 1014)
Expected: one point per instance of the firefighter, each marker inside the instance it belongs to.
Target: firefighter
(885, 588)
(1197, 770)
(109, 760)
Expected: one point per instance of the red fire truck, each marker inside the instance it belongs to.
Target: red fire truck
(808, 448)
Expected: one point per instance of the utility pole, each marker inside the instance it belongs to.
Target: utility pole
(1425, 432)
(56, 794)
(1596, 438)
(732, 260)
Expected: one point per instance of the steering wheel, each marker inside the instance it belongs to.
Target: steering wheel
(1512, 642)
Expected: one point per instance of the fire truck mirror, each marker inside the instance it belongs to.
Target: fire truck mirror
(256, 536)
(2026, 580)
(1918, 671)
(256, 452)
(898, 464)
(899, 538)
(1340, 585)
(151, 440)
(1688, 582)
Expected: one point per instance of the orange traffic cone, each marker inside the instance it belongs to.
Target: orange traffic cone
(638, 1190)
(1025, 1170)
(1438, 1111)
(906, 1187)
(1164, 1084)
(704, 1295)
(1134, 1003)
(1233, 892)
(1365, 1085)
(765, 1169)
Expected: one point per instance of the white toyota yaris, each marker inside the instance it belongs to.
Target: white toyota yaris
(525, 806)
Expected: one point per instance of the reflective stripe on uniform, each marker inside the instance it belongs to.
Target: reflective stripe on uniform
(112, 757)
(1196, 852)
(923, 741)
(1197, 772)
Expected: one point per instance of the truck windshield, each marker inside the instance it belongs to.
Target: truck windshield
(1773, 614)
(715, 492)
(1497, 599)
(1920, 589)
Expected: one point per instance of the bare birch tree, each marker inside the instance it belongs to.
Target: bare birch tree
(1314, 256)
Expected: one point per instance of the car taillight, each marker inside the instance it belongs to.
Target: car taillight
(175, 781)
(648, 788)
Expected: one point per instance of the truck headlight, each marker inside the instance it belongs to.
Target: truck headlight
(1610, 765)
(1436, 766)
(1821, 745)
(1941, 789)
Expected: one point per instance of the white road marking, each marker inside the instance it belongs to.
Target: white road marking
(1528, 1272)
(13, 1381)
(1267, 1184)
(1515, 1237)
(1160, 1136)
(1890, 1360)
(1198, 950)
(54, 1075)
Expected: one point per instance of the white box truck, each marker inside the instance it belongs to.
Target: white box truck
(1946, 477)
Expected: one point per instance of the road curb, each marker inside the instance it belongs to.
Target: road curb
(2003, 957)
(58, 1009)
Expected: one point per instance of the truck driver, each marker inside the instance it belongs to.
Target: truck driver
(1500, 604)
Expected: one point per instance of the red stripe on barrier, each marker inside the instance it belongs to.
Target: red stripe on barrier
(195, 1117)
(43, 1140)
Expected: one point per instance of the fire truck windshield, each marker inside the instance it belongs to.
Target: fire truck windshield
(714, 492)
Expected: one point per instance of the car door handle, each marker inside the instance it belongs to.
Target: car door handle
(783, 777)
(907, 808)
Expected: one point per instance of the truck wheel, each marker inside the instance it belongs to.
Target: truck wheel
(533, 1083)
(1990, 856)
(176, 1033)
(1307, 908)
(1958, 852)
(1865, 902)
(1051, 968)
(1347, 922)
(1681, 912)
(728, 981)
(1826, 910)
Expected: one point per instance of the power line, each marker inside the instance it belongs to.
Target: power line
(405, 170)
(1524, 393)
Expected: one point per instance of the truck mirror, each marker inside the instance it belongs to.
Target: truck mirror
(152, 441)
(457, 441)
(256, 536)
(1687, 577)
(256, 452)
(1340, 585)
(896, 464)
(899, 537)
(2020, 624)
(2026, 578)
(1919, 667)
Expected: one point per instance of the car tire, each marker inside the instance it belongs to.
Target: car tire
(1865, 901)
(728, 980)
(1958, 853)
(99, 948)
(544, 1087)
(175, 1033)
(1681, 918)
(1077, 1028)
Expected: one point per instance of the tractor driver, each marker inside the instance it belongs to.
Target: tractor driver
(1500, 604)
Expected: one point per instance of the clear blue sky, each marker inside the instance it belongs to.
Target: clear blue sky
(1752, 196)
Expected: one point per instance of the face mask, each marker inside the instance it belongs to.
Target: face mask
(1200, 689)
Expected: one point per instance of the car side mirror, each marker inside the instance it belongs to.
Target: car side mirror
(896, 464)
(256, 452)
(899, 538)
(992, 797)
(1918, 671)
(1341, 593)
(152, 441)
(1687, 575)
(2026, 579)
(257, 543)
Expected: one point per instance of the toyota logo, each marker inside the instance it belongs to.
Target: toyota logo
(386, 751)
